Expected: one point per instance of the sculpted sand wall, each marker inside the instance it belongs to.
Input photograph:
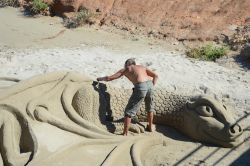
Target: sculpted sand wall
(37, 113)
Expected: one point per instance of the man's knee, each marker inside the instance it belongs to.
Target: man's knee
(130, 112)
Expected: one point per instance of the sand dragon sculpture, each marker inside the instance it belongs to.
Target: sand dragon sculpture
(77, 108)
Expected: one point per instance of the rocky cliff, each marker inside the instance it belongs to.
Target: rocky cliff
(183, 20)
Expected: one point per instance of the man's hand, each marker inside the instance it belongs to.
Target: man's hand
(101, 79)
(152, 74)
(112, 77)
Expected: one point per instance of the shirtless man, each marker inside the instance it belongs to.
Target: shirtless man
(143, 80)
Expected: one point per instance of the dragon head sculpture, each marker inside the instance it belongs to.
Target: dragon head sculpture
(208, 120)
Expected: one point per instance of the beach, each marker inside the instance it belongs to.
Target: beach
(31, 46)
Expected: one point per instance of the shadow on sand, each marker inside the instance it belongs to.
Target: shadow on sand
(244, 159)
(243, 59)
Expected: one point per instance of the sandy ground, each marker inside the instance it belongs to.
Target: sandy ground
(31, 46)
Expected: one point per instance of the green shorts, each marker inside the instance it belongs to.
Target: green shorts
(141, 92)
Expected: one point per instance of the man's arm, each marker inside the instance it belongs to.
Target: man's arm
(112, 77)
(152, 74)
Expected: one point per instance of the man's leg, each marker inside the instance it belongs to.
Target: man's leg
(150, 120)
(149, 103)
(132, 108)
(127, 121)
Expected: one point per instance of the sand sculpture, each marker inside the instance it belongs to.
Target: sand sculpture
(84, 113)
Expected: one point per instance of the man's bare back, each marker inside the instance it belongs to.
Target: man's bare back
(137, 74)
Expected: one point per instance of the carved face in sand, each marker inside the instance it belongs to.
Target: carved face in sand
(205, 119)
(212, 121)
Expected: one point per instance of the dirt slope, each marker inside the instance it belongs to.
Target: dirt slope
(184, 20)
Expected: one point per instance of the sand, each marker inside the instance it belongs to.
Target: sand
(31, 46)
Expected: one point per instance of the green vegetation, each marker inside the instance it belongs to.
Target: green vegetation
(38, 6)
(208, 52)
(82, 17)
(13, 3)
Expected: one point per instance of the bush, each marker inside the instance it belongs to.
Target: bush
(13, 3)
(82, 17)
(208, 52)
(37, 7)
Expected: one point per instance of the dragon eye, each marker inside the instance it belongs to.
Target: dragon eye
(204, 111)
(225, 107)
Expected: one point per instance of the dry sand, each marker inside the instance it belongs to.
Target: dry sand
(30, 46)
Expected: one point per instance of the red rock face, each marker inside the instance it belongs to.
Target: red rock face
(181, 19)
